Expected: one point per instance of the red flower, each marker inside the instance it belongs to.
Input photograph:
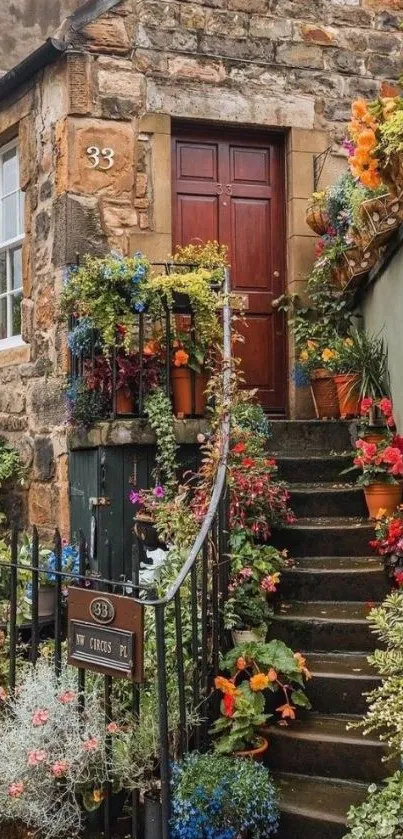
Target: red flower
(386, 407)
(366, 404)
(229, 705)
(248, 462)
(239, 448)
(397, 442)
(399, 577)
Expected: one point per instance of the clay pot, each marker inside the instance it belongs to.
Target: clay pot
(247, 636)
(257, 753)
(181, 378)
(125, 403)
(382, 497)
(374, 437)
(348, 393)
(324, 395)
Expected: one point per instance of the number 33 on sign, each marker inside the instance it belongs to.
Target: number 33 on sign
(101, 158)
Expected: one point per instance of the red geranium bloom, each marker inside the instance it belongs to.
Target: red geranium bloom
(239, 448)
(229, 705)
(397, 442)
(399, 577)
(248, 462)
(366, 404)
(386, 407)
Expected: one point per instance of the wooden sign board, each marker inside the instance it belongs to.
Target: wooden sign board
(105, 633)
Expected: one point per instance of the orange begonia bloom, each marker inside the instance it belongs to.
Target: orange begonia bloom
(287, 711)
(367, 139)
(225, 686)
(259, 682)
(272, 675)
(181, 358)
(301, 661)
(359, 108)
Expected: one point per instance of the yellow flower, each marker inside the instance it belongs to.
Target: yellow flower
(348, 342)
(327, 354)
(97, 796)
(304, 355)
(311, 345)
(259, 682)
(381, 513)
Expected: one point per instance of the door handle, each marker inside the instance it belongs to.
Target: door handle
(276, 274)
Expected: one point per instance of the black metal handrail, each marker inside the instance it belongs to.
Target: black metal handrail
(206, 569)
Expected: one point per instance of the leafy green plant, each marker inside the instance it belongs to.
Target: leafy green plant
(249, 416)
(204, 301)
(366, 355)
(381, 814)
(242, 715)
(158, 409)
(86, 405)
(209, 255)
(10, 463)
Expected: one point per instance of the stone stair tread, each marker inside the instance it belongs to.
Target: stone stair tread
(308, 456)
(326, 729)
(325, 487)
(352, 523)
(341, 666)
(335, 564)
(324, 611)
(322, 799)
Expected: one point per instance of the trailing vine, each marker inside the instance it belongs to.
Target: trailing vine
(159, 412)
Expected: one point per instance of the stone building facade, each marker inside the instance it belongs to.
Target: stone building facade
(121, 76)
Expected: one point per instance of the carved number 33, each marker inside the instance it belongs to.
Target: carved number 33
(95, 154)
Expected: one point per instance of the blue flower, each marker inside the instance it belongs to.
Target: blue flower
(139, 273)
(139, 307)
(138, 255)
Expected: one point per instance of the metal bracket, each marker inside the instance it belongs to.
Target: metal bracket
(99, 502)
(319, 161)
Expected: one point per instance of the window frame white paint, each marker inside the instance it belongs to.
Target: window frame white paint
(9, 245)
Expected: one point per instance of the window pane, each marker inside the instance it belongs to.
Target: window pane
(3, 272)
(21, 219)
(3, 317)
(10, 218)
(16, 313)
(10, 171)
(16, 268)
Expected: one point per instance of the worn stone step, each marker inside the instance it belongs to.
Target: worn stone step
(327, 536)
(339, 682)
(324, 626)
(335, 578)
(315, 436)
(334, 499)
(315, 808)
(309, 468)
(322, 745)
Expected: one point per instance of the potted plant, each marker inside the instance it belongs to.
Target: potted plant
(388, 543)
(222, 797)
(376, 419)
(360, 366)
(242, 715)
(314, 360)
(189, 377)
(126, 379)
(282, 672)
(381, 468)
(347, 376)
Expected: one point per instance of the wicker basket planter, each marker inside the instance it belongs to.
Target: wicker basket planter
(359, 262)
(380, 217)
(317, 219)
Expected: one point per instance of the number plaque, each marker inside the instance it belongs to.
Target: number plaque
(105, 633)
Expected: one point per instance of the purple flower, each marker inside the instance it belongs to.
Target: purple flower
(349, 146)
(135, 497)
(159, 492)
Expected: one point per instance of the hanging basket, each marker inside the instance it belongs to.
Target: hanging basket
(358, 262)
(317, 219)
(380, 217)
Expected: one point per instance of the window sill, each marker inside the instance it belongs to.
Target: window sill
(14, 351)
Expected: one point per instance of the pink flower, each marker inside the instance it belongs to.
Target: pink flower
(91, 745)
(16, 790)
(3, 695)
(59, 768)
(399, 577)
(246, 572)
(112, 728)
(366, 404)
(36, 757)
(159, 492)
(386, 407)
(67, 697)
(40, 718)
(135, 497)
(268, 583)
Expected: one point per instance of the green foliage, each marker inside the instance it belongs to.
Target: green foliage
(204, 301)
(107, 291)
(249, 416)
(244, 610)
(275, 654)
(10, 463)
(366, 355)
(238, 731)
(86, 405)
(211, 256)
(158, 409)
(391, 133)
(381, 814)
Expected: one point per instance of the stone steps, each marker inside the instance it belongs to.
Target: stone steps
(329, 578)
(324, 626)
(314, 468)
(322, 745)
(316, 436)
(326, 536)
(315, 808)
(327, 500)
(339, 682)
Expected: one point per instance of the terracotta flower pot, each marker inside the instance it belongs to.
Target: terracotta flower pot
(374, 437)
(382, 497)
(125, 403)
(257, 753)
(181, 378)
(348, 393)
(247, 636)
(324, 395)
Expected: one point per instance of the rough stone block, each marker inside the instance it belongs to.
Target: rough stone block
(192, 17)
(45, 308)
(46, 403)
(27, 150)
(41, 504)
(248, 5)
(300, 55)
(314, 34)
(190, 68)
(77, 229)
(117, 215)
(162, 15)
(270, 27)
(79, 83)
(116, 78)
(107, 34)
(141, 184)
(44, 464)
(260, 49)
(234, 25)
(85, 174)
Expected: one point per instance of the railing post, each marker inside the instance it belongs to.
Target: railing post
(35, 596)
(13, 607)
(163, 719)
(58, 603)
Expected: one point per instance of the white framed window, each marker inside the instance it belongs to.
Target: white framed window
(11, 237)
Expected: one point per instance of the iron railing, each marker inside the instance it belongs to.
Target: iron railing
(104, 371)
(203, 578)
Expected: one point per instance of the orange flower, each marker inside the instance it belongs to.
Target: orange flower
(225, 686)
(241, 663)
(259, 682)
(272, 675)
(367, 139)
(301, 661)
(361, 157)
(359, 108)
(181, 358)
(287, 711)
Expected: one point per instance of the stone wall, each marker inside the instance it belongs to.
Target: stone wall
(25, 24)
(275, 63)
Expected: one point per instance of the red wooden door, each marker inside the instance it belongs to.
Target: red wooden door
(229, 186)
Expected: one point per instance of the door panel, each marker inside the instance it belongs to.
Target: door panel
(230, 187)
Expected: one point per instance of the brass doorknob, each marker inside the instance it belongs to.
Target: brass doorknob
(276, 274)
